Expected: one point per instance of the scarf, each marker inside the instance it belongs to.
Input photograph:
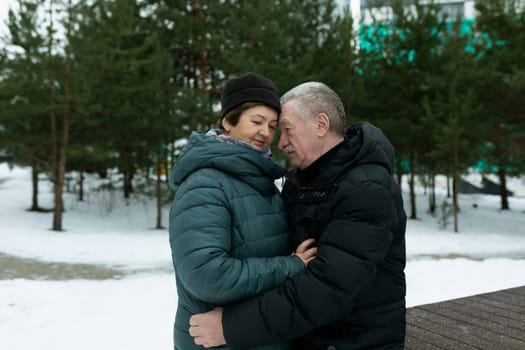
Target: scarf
(265, 152)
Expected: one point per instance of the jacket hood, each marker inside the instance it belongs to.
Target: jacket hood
(204, 151)
(368, 144)
(363, 144)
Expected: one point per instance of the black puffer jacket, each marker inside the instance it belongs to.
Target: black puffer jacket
(352, 296)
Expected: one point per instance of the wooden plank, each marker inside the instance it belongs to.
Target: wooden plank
(459, 331)
(493, 320)
(467, 308)
(430, 338)
(413, 343)
(499, 304)
(487, 306)
(464, 314)
(512, 298)
(517, 290)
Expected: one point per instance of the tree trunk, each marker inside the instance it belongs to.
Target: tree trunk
(59, 183)
(81, 186)
(426, 181)
(158, 167)
(413, 214)
(455, 204)
(34, 179)
(200, 65)
(128, 185)
(62, 142)
(62, 152)
(503, 188)
(57, 218)
(170, 156)
(399, 173)
(166, 166)
(432, 194)
(448, 181)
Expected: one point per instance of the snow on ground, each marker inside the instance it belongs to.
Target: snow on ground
(133, 313)
(135, 309)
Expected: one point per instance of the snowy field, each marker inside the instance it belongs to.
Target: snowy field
(56, 299)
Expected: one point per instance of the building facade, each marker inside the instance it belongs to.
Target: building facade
(452, 8)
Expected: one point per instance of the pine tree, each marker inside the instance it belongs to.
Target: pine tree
(397, 58)
(501, 69)
(23, 101)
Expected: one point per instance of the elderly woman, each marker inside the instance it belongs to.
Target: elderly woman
(228, 230)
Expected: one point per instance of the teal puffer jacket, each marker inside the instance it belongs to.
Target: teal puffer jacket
(228, 230)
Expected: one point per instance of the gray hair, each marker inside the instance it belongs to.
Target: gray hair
(313, 98)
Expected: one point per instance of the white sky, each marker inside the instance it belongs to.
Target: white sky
(4, 8)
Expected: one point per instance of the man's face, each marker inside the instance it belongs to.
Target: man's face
(299, 139)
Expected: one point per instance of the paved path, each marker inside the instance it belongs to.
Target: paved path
(12, 267)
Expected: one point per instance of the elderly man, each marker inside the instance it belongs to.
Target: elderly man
(343, 194)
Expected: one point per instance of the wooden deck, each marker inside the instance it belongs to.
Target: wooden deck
(494, 321)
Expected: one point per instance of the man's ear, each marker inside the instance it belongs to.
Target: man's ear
(322, 124)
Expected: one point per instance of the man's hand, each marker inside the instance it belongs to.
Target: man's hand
(206, 328)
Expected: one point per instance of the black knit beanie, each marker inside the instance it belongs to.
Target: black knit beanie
(249, 87)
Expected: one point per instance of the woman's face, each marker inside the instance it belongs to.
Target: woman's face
(256, 126)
